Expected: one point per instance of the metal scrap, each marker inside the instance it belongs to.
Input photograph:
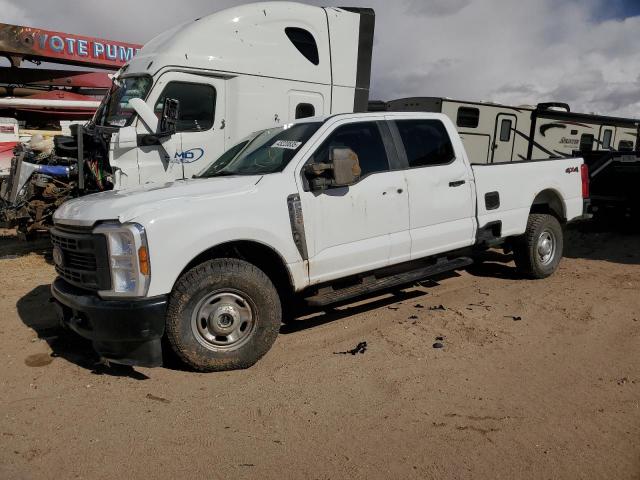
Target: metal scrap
(360, 348)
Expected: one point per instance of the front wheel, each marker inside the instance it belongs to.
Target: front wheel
(223, 315)
(538, 252)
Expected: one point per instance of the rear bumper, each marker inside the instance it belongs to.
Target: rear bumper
(128, 332)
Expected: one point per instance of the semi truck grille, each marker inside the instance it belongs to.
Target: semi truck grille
(81, 258)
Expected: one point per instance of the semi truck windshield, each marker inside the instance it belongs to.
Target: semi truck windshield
(117, 111)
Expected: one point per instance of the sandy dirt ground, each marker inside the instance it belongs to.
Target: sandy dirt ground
(536, 380)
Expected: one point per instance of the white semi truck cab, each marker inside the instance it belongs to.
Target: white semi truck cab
(319, 211)
(232, 73)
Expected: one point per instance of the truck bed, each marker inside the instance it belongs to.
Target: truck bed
(506, 191)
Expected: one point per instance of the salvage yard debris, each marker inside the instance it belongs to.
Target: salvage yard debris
(360, 348)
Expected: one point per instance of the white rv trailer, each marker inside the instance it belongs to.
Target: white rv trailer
(495, 133)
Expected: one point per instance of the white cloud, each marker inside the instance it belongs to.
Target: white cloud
(436, 7)
(513, 52)
(501, 50)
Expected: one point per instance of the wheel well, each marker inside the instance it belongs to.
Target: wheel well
(549, 202)
(258, 254)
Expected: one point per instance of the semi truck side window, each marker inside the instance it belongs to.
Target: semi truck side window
(304, 42)
(197, 105)
(363, 138)
(468, 117)
(426, 142)
(305, 110)
(606, 139)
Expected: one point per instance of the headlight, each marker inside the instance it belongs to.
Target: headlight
(128, 259)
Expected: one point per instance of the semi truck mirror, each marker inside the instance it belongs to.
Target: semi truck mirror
(170, 114)
(145, 113)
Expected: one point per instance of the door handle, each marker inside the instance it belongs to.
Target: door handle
(457, 183)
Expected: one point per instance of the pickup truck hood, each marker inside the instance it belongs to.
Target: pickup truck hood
(125, 205)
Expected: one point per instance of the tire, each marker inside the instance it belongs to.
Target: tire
(224, 314)
(538, 252)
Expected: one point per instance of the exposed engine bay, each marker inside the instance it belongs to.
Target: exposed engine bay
(44, 176)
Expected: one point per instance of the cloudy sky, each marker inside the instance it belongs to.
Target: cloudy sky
(584, 52)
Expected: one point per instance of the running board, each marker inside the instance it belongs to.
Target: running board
(330, 295)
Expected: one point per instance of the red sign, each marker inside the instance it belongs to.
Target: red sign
(57, 47)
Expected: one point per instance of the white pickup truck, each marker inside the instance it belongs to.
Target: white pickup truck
(322, 210)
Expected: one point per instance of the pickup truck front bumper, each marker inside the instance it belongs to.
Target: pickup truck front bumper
(127, 332)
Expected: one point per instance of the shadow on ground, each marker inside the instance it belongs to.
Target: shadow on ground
(13, 247)
(615, 242)
(38, 313)
(309, 318)
(609, 241)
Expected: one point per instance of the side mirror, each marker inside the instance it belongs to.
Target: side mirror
(342, 170)
(168, 141)
(145, 113)
(346, 166)
(170, 114)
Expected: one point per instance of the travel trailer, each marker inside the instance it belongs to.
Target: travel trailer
(495, 133)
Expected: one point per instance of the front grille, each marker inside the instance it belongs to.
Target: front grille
(84, 258)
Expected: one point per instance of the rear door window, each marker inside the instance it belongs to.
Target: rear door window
(426, 142)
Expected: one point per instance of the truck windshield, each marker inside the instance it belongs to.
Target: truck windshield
(269, 152)
(117, 112)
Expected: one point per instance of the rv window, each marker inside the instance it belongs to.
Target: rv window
(606, 140)
(197, 105)
(304, 42)
(625, 146)
(586, 142)
(505, 130)
(468, 117)
(305, 110)
(426, 142)
(363, 138)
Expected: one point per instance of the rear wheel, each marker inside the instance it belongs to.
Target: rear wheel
(223, 315)
(538, 252)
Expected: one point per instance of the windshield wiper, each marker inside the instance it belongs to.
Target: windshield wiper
(220, 174)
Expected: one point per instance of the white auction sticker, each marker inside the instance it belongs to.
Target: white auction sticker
(288, 144)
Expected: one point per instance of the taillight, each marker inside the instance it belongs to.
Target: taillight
(584, 172)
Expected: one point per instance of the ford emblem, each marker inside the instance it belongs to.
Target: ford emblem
(58, 256)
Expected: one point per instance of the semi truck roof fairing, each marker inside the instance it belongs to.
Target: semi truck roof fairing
(272, 39)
